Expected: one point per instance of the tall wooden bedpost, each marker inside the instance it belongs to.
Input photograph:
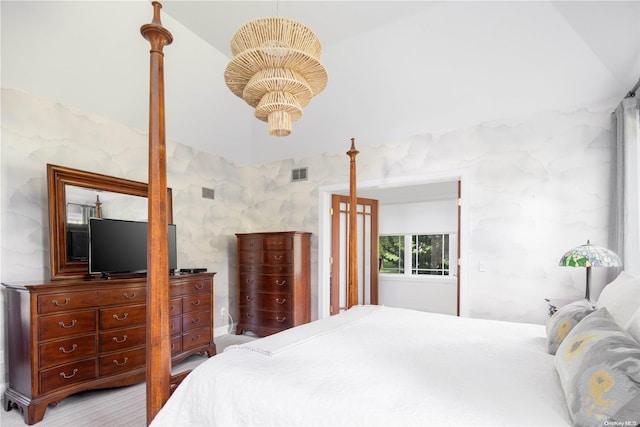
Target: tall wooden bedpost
(158, 342)
(352, 286)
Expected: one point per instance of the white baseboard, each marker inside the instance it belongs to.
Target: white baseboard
(223, 330)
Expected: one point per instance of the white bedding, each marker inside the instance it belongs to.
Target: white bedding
(378, 366)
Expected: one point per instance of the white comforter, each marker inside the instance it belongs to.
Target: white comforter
(378, 366)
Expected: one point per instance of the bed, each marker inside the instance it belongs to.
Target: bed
(383, 366)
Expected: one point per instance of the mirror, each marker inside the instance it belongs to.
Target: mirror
(74, 197)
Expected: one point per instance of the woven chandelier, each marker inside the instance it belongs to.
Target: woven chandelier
(276, 69)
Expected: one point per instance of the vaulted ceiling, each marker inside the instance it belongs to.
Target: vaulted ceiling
(396, 68)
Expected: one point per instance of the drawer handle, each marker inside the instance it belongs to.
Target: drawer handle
(249, 298)
(277, 243)
(73, 348)
(173, 346)
(277, 257)
(279, 283)
(127, 296)
(66, 301)
(195, 302)
(73, 323)
(250, 281)
(115, 362)
(196, 320)
(249, 315)
(281, 319)
(124, 338)
(195, 338)
(172, 307)
(199, 286)
(115, 316)
(66, 377)
(281, 301)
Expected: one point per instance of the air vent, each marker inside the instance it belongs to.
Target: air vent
(299, 174)
(208, 193)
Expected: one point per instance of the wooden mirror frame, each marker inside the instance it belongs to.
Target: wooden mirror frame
(58, 177)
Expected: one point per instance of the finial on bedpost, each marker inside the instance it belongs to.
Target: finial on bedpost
(154, 32)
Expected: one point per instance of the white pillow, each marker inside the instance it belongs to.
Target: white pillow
(633, 327)
(621, 297)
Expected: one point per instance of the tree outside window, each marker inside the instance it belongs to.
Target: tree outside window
(427, 254)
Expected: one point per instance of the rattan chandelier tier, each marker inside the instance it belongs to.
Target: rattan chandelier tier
(276, 69)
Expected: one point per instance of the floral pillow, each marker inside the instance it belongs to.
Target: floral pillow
(599, 368)
(563, 320)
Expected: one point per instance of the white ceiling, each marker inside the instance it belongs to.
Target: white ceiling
(396, 68)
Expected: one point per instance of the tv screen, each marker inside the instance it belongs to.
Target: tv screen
(118, 246)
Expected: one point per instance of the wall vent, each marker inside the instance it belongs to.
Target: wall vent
(208, 193)
(299, 174)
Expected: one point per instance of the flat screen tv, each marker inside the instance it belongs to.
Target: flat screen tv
(118, 246)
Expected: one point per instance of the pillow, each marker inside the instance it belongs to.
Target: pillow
(599, 368)
(633, 327)
(563, 320)
(621, 297)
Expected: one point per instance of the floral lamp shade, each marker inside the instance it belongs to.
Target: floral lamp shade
(588, 256)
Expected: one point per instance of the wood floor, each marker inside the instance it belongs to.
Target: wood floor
(116, 407)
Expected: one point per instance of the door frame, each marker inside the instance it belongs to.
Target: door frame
(324, 231)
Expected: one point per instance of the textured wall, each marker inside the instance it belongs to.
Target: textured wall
(534, 187)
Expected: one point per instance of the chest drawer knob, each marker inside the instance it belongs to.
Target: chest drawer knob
(277, 257)
(281, 319)
(119, 341)
(199, 286)
(73, 323)
(115, 362)
(249, 298)
(281, 300)
(196, 320)
(64, 350)
(115, 316)
(279, 283)
(66, 301)
(249, 315)
(66, 377)
(127, 296)
(196, 303)
(250, 281)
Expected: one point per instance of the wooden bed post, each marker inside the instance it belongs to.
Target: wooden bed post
(158, 342)
(352, 286)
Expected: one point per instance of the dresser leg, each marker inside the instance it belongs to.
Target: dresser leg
(32, 413)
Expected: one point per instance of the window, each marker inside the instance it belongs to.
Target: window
(423, 254)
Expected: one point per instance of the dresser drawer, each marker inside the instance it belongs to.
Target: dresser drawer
(66, 375)
(176, 345)
(64, 325)
(250, 257)
(266, 283)
(266, 301)
(192, 287)
(175, 307)
(250, 244)
(122, 317)
(197, 319)
(266, 269)
(196, 303)
(63, 301)
(196, 338)
(277, 257)
(122, 361)
(67, 350)
(268, 319)
(277, 243)
(175, 325)
(120, 339)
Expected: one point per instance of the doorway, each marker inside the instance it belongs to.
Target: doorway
(397, 191)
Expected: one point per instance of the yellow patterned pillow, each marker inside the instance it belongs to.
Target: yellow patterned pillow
(563, 320)
(599, 367)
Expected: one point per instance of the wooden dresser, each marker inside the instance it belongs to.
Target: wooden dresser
(74, 335)
(273, 281)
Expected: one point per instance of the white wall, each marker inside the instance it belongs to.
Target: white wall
(535, 187)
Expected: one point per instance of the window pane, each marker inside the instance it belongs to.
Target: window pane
(430, 254)
(391, 254)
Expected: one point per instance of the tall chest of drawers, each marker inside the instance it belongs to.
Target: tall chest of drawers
(273, 281)
(69, 336)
